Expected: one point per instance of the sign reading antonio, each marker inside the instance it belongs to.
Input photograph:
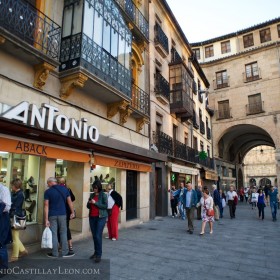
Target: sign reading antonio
(47, 118)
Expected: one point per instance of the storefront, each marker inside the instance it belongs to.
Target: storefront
(180, 173)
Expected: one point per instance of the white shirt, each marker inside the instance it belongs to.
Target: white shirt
(254, 197)
(231, 195)
(5, 197)
(111, 201)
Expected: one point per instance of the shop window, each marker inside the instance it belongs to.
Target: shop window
(25, 168)
(107, 175)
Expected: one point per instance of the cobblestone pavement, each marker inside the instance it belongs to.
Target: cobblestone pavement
(240, 248)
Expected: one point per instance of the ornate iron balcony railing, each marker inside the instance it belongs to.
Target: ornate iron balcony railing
(180, 150)
(223, 114)
(31, 26)
(80, 50)
(135, 15)
(164, 143)
(161, 38)
(162, 86)
(250, 77)
(218, 84)
(140, 100)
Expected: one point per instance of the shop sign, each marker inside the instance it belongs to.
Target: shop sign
(47, 118)
(211, 176)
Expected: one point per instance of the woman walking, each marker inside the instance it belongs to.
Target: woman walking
(207, 205)
(97, 205)
(173, 201)
(16, 209)
(261, 203)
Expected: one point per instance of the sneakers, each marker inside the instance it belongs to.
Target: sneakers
(114, 239)
(69, 255)
(50, 255)
(107, 237)
(71, 249)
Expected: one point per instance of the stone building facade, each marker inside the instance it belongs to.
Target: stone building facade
(244, 73)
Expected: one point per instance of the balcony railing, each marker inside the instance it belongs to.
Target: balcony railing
(164, 143)
(162, 86)
(252, 76)
(80, 50)
(140, 100)
(221, 84)
(175, 57)
(223, 114)
(181, 103)
(208, 133)
(180, 150)
(255, 108)
(30, 26)
(135, 16)
(161, 39)
(202, 127)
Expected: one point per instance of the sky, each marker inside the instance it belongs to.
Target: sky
(206, 19)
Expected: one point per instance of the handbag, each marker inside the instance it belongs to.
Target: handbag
(18, 222)
(210, 212)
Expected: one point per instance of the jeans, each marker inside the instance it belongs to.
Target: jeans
(97, 225)
(232, 208)
(181, 210)
(221, 210)
(173, 203)
(58, 225)
(273, 206)
(261, 210)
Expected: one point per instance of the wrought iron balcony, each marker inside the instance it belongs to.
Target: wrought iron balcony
(223, 114)
(134, 14)
(218, 84)
(30, 29)
(161, 41)
(164, 143)
(81, 51)
(255, 108)
(162, 88)
(175, 57)
(140, 100)
(250, 77)
(208, 133)
(180, 150)
(202, 127)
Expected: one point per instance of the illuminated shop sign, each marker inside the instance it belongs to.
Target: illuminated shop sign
(47, 118)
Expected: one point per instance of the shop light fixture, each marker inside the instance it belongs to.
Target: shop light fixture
(2, 152)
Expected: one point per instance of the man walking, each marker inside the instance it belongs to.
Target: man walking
(5, 227)
(273, 199)
(217, 202)
(55, 215)
(231, 194)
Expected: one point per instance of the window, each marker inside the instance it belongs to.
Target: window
(248, 40)
(209, 51)
(278, 29)
(265, 35)
(252, 72)
(186, 139)
(201, 146)
(223, 109)
(255, 104)
(197, 53)
(195, 143)
(225, 47)
(221, 79)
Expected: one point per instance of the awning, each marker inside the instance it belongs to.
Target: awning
(184, 169)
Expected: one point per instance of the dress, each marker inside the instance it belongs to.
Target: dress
(204, 207)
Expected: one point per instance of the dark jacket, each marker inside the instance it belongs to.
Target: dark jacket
(101, 204)
(216, 197)
(17, 204)
(5, 227)
(117, 198)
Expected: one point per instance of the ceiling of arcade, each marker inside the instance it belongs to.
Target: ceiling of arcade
(239, 139)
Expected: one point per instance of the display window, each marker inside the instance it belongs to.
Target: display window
(26, 168)
(107, 175)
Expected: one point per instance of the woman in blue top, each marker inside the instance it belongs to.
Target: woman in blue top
(16, 209)
(261, 203)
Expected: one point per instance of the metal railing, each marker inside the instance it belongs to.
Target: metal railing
(164, 143)
(140, 100)
(31, 26)
(135, 15)
(250, 77)
(221, 84)
(162, 86)
(175, 57)
(223, 114)
(161, 38)
(255, 108)
(181, 102)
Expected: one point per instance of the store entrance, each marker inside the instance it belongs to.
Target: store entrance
(131, 195)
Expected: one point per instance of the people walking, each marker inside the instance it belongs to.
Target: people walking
(241, 194)
(173, 201)
(273, 200)
(261, 203)
(222, 203)
(62, 182)
(189, 202)
(5, 227)
(97, 205)
(246, 194)
(114, 204)
(207, 204)
(217, 201)
(254, 198)
(231, 194)
(180, 194)
(55, 198)
(17, 209)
